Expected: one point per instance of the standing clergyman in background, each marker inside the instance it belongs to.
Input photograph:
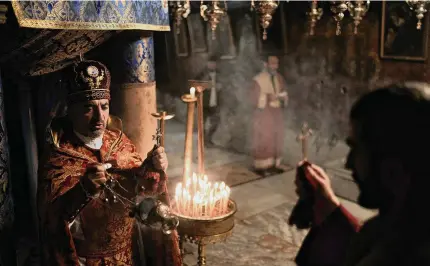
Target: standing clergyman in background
(269, 97)
(211, 109)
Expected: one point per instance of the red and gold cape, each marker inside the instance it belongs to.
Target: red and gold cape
(107, 227)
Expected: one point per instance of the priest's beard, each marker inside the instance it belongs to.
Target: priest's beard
(96, 133)
(271, 71)
(369, 196)
(372, 194)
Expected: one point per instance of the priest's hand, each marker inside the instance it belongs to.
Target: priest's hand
(159, 159)
(95, 177)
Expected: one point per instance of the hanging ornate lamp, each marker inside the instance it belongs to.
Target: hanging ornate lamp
(314, 15)
(3, 10)
(358, 10)
(419, 7)
(213, 13)
(339, 8)
(180, 9)
(266, 9)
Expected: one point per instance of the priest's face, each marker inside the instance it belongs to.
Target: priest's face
(364, 170)
(272, 64)
(90, 118)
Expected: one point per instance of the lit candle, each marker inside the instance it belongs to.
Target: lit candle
(178, 196)
(193, 92)
(200, 198)
(211, 204)
(194, 183)
(187, 182)
(227, 198)
(188, 212)
(184, 205)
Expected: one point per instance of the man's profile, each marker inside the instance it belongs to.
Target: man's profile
(388, 157)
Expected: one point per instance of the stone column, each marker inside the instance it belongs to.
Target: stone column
(134, 88)
(7, 252)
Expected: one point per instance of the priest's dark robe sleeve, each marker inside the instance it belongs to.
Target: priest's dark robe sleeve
(326, 244)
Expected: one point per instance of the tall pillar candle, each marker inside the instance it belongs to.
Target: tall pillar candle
(190, 100)
(200, 131)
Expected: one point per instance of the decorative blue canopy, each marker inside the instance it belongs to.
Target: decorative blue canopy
(150, 15)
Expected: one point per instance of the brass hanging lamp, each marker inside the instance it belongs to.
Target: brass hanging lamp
(213, 13)
(265, 9)
(420, 8)
(314, 16)
(357, 10)
(180, 10)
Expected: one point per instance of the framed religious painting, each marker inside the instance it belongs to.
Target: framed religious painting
(181, 41)
(400, 38)
(223, 44)
(196, 29)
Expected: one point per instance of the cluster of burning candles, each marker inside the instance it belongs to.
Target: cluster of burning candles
(198, 198)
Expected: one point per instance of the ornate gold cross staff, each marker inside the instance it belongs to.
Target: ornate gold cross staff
(159, 139)
(159, 135)
(303, 137)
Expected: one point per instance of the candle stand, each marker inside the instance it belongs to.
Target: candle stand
(204, 231)
(205, 212)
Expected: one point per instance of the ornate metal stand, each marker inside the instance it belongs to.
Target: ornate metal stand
(206, 231)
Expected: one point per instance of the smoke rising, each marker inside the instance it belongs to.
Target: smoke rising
(319, 95)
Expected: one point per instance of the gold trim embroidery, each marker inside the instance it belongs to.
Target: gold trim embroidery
(72, 25)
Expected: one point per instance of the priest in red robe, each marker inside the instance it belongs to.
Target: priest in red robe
(388, 158)
(81, 222)
(268, 97)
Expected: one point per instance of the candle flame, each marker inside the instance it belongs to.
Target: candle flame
(201, 198)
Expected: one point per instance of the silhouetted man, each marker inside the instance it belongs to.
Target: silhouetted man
(389, 160)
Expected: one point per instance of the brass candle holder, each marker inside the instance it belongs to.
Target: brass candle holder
(217, 223)
(204, 231)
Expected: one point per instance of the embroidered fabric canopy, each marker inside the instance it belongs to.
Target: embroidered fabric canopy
(46, 36)
(93, 15)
